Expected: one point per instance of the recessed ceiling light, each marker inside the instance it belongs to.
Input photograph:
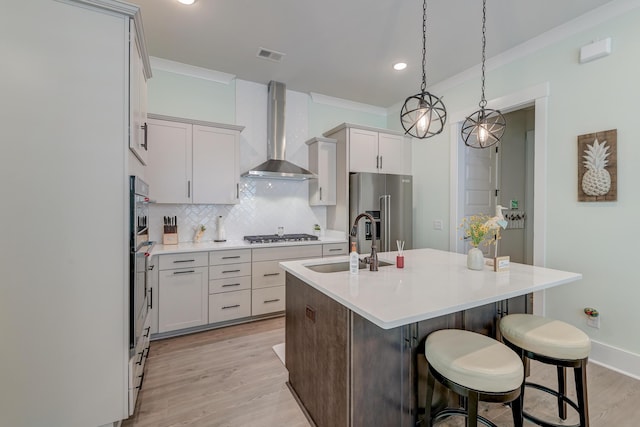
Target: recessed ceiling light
(399, 66)
(187, 1)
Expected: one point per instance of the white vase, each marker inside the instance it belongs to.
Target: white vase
(475, 259)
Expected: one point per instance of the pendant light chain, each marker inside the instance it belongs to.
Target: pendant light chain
(485, 127)
(424, 46)
(423, 115)
(483, 101)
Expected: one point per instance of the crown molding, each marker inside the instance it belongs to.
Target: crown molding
(191, 70)
(349, 105)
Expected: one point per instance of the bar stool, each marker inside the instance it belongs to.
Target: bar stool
(554, 343)
(475, 367)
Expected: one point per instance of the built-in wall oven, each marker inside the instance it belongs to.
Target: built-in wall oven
(139, 251)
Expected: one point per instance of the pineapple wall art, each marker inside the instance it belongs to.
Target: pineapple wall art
(598, 166)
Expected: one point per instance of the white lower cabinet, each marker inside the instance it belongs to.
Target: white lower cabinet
(229, 285)
(193, 289)
(268, 278)
(229, 305)
(182, 295)
(334, 249)
(267, 300)
(137, 364)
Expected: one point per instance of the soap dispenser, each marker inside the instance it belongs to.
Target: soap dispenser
(354, 259)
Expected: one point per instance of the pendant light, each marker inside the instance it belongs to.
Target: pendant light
(485, 127)
(423, 115)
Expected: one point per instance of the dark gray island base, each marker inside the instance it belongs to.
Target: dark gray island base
(346, 371)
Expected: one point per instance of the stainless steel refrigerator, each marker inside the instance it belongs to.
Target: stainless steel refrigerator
(389, 200)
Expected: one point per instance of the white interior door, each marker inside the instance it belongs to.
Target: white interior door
(480, 177)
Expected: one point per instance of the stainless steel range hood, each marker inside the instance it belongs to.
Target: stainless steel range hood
(276, 167)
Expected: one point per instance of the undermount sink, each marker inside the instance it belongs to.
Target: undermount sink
(336, 267)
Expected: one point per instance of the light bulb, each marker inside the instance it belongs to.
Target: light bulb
(483, 133)
(423, 121)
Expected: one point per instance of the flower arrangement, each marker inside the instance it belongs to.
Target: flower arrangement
(477, 228)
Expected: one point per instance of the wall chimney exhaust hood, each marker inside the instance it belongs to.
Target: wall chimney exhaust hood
(276, 167)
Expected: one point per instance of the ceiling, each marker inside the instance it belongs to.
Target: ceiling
(346, 48)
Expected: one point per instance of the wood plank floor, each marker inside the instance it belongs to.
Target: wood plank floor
(231, 377)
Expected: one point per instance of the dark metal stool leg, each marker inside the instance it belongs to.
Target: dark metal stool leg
(581, 392)
(427, 408)
(516, 409)
(472, 410)
(562, 390)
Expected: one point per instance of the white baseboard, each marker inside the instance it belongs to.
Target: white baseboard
(616, 359)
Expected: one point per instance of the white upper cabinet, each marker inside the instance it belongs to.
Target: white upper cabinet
(395, 154)
(322, 162)
(192, 162)
(169, 161)
(216, 158)
(379, 152)
(138, 101)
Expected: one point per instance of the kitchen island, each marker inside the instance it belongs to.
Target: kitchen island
(353, 341)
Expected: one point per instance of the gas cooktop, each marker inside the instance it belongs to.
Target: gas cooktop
(272, 238)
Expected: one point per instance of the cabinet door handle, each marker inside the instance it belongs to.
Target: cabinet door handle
(150, 304)
(237, 190)
(231, 257)
(141, 380)
(144, 144)
(184, 260)
(271, 300)
(380, 162)
(230, 284)
(271, 274)
(335, 249)
(146, 334)
(377, 162)
(184, 272)
(189, 188)
(151, 267)
(320, 193)
(231, 271)
(231, 306)
(139, 362)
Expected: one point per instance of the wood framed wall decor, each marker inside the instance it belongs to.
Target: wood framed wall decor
(598, 166)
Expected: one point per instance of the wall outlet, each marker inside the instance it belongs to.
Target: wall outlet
(437, 224)
(593, 322)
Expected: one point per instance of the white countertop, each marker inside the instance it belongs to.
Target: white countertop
(432, 283)
(160, 249)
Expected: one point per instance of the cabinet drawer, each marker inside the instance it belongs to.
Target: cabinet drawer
(287, 252)
(229, 284)
(229, 257)
(266, 274)
(334, 249)
(190, 259)
(229, 305)
(229, 270)
(267, 300)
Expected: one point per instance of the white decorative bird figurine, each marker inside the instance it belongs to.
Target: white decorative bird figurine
(498, 220)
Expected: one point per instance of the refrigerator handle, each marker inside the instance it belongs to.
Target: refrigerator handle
(385, 205)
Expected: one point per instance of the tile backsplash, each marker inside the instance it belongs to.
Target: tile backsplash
(264, 206)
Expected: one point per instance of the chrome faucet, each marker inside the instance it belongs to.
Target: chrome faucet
(372, 259)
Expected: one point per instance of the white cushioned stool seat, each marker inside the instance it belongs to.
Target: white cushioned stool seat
(547, 337)
(474, 361)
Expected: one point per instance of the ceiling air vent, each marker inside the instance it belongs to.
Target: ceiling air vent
(271, 55)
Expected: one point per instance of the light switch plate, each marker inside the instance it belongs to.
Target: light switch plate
(437, 224)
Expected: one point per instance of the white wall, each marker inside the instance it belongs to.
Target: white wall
(595, 239)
